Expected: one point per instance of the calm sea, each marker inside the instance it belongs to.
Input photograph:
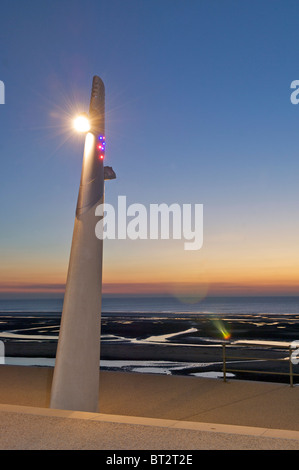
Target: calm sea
(159, 305)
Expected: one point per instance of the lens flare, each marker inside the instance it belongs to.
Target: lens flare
(221, 328)
(190, 293)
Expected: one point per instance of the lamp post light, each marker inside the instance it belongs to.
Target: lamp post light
(75, 383)
(82, 123)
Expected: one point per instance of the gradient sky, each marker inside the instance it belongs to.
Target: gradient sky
(198, 111)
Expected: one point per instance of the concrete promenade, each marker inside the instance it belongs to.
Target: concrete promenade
(149, 412)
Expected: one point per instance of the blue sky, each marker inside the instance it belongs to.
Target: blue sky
(198, 111)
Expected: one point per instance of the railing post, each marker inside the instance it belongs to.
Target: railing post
(224, 362)
(291, 366)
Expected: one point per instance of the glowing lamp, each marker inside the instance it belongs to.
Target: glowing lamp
(81, 123)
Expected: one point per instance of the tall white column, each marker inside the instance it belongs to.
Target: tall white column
(76, 375)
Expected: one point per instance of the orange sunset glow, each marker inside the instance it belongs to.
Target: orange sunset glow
(164, 271)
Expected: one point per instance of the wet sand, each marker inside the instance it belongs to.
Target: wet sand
(185, 338)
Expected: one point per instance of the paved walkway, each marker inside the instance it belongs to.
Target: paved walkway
(147, 411)
(23, 428)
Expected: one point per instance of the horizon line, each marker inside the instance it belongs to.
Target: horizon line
(175, 289)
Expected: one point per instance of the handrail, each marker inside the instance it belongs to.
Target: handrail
(281, 345)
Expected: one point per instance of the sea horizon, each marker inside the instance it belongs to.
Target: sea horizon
(120, 303)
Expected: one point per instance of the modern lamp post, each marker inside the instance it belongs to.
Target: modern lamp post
(75, 383)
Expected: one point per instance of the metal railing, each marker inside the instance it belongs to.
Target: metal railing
(260, 344)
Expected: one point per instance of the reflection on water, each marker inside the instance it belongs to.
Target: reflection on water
(148, 367)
